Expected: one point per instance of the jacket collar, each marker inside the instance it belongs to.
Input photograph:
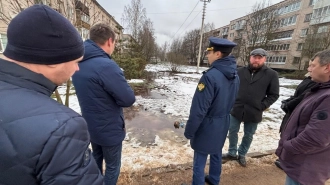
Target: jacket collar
(319, 86)
(256, 75)
(17, 75)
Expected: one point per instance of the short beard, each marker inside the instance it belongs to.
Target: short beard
(254, 68)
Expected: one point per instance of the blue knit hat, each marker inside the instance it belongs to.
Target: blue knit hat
(40, 35)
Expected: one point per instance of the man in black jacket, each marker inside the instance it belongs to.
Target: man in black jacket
(42, 142)
(259, 89)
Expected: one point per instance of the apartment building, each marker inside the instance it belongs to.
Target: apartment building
(293, 21)
(81, 13)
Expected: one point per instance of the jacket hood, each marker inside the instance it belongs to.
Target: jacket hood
(227, 66)
(92, 50)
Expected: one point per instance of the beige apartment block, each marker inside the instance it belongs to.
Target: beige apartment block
(81, 13)
(294, 18)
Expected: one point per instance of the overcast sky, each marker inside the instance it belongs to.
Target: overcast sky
(168, 15)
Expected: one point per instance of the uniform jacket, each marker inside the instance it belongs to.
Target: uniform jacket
(291, 103)
(304, 147)
(102, 91)
(41, 141)
(208, 122)
(257, 92)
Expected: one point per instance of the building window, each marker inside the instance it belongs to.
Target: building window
(321, 12)
(288, 21)
(231, 35)
(276, 59)
(3, 42)
(83, 33)
(232, 26)
(322, 29)
(308, 17)
(284, 35)
(304, 32)
(290, 8)
(300, 47)
(312, 2)
(84, 17)
(296, 60)
(281, 47)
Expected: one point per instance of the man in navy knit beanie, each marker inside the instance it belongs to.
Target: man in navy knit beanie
(42, 141)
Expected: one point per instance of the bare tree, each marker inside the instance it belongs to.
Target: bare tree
(134, 16)
(163, 51)
(257, 29)
(317, 38)
(175, 57)
(146, 39)
(190, 45)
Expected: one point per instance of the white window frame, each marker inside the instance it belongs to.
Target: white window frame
(3, 42)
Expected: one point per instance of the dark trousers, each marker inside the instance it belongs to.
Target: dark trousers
(199, 165)
(112, 157)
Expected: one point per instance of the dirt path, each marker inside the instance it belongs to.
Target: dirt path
(258, 172)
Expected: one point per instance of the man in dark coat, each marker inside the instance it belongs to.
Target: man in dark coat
(42, 142)
(304, 147)
(290, 104)
(103, 91)
(208, 122)
(259, 89)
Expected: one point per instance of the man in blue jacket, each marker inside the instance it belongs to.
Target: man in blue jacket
(102, 92)
(208, 122)
(42, 142)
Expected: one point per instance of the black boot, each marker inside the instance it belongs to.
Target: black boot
(241, 160)
(228, 157)
(278, 164)
(207, 180)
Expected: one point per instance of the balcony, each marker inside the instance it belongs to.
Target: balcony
(240, 27)
(82, 7)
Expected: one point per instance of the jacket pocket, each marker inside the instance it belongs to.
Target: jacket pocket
(291, 158)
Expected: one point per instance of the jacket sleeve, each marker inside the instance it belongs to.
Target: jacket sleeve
(294, 101)
(315, 137)
(201, 102)
(115, 84)
(66, 158)
(272, 93)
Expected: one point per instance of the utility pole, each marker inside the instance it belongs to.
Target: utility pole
(201, 35)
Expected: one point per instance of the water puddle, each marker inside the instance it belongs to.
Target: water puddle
(143, 126)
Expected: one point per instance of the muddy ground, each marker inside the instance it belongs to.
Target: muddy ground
(260, 171)
(149, 162)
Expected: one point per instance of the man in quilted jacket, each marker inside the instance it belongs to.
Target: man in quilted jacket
(42, 142)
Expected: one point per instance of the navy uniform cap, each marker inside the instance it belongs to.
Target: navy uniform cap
(219, 44)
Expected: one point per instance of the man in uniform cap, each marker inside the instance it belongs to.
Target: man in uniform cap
(259, 89)
(209, 118)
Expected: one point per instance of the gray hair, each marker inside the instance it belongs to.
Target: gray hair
(324, 57)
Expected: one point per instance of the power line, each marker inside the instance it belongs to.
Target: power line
(186, 18)
(190, 22)
(193, 11)
(197, 11)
